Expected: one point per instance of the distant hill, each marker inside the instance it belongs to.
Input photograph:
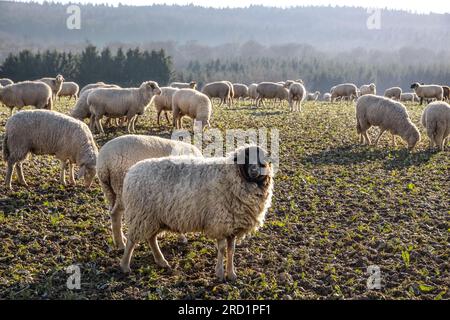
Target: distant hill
(327, 28)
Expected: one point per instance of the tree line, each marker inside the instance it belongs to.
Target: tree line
(126, 69)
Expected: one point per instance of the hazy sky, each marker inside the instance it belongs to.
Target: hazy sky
(421, 6)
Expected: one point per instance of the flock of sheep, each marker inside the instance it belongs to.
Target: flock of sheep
(134, 170)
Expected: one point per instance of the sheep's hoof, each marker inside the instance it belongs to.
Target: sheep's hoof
(220, 275)
(125, 269)
(231, 276)
(163, 264)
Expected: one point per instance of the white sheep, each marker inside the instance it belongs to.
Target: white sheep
(313, 96)
(344, 91)
(393, 93)
(51, 133)
(436, 119)
(184, 85)
(5, 81)
(271, 90)
(97, 85)
(240, 91)
(368, 89)
(409, 96)
(69, 89)
(225, 198)
(118, 155)
(297, 93)
(430, 91)
(54, 83)
(387, 114)
(27, 93)
(191, 103)
(326, 97)
(120, 102)
(252, 92)
(163, 102)
(219, 89)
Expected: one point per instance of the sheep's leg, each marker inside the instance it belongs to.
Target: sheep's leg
(116, 226)
(134, 120)
(167, 117)
(157, 254)
(231, 246)
(379, 136)
(9, 173)
(158, 115)
(62, 176)
(20, 174)
(126, 259)
(221, 247)
(98, 124)
(72, 173)
(393, 140)
(366, 138)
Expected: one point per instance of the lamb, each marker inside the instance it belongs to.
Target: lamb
(51, 133)
(368, 89)
(436, 119)
(118, 155)
(191, 103)
(372, 110)
(27, 93)
(326, 97)
(184, 85)
(119, 102)
(240, 90)
(270, 90)
(394, 93)
(5, 81)
(431, 91)
(313, 96)
(69, 89)
(163, 102)
(54, 83)
(297, 94)
(218, 89)
(345, 90)
(97, 85)
(409, 96)
(225, 198)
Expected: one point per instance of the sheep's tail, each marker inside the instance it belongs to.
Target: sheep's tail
(5, 148)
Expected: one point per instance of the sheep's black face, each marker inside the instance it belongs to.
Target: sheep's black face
(414, 85)
(253, 165)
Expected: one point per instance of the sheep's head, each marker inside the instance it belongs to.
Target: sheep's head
(412, 137)
(193, 84)
(151, 86)
(253, 165)
(415, 85)
(59, 78)
(88, 172)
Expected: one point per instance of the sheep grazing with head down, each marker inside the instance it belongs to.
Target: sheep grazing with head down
(5, 81)
(252, 93)
(184, 85)
(409, 96)
(344, 91)
(163, 102)
(368, 89)
(69, 89)
(240, 91)
(118, 155)
(48, 132)
(225, 198)
(27, 93)
(430, 91)
(219, 89)
(387, 114)
(436, 119)
(297, 93)
(121, 102)
(313, 96)
(271, 90)
(54, 83)
(394, 93)
(191, 103)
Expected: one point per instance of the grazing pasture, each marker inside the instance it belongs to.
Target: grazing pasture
(338, 208)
